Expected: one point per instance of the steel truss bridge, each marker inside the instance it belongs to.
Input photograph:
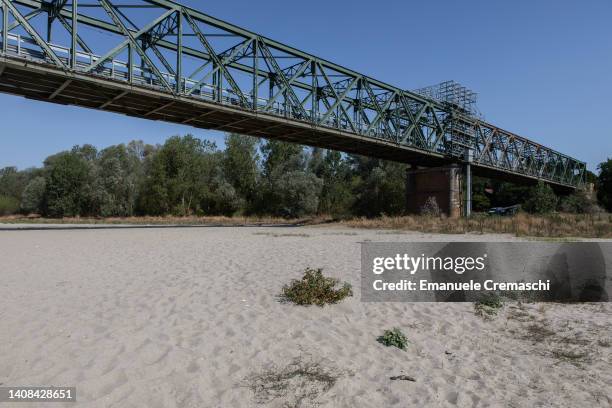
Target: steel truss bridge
(160, 60)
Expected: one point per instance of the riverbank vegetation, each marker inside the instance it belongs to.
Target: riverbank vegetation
(249, 178)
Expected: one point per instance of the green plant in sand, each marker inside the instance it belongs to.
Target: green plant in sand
(393, 337)
(315, 289)
(488, 304)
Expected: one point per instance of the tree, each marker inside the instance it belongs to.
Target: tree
(180, 176)
(33, 198)
(295, 194)
(68, 186)
(604, 184)
(380, 187)
(116, 181)
(542, 199)
(277, 155)
(8, 205)
(507, 194)
(240, 164)
(480, 197)
(335, 171)
(222, 199)
(288, 188)
(13, 182)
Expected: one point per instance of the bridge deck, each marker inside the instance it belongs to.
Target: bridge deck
(40, 82)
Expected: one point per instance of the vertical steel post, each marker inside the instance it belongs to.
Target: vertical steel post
(315, 86)
(220, 84)
(215, 79)
(73, 49)
(50, 17)
(255, 75)
(179, 51)
(285, 103)
(357, 105)
(130, 64)
(468, 183)
(468, 201)
(4, 27)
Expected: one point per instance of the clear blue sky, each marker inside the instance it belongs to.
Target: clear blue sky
(542, 69)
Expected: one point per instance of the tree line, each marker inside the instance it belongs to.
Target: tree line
(190, 176)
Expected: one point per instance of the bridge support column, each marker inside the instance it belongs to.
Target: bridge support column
(444, 184)
(468, 183)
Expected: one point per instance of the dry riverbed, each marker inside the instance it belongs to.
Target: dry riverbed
(190, 317)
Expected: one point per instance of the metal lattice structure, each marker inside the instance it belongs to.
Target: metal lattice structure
(160, 60)
(452, 93)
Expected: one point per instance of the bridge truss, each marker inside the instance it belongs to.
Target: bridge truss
(160, 60)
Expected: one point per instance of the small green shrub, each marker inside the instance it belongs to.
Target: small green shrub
(488, 304)
(314, 288)
(393, 337)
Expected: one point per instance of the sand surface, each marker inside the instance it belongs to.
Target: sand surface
(189, 317)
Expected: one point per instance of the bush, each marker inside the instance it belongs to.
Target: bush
(488, 304)
(577, 203)
(393, 337)
(542, 199)
(314, 288)
(8, 205)
(431, 207)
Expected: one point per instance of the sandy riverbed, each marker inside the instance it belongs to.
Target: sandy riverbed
(189, 317)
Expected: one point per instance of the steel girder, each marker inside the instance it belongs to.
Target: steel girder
(154, 42)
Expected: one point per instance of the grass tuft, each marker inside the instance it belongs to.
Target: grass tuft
(571, 355)
(538, 332)
(299, 384)
(315, 289)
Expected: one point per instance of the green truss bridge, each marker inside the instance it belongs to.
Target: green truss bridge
(160, 60)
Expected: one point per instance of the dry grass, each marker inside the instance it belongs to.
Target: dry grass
(571, 355)
(300, 384)
(525, 225)
(554, 226)
(167, 220)
(538, 332)
(270, 234)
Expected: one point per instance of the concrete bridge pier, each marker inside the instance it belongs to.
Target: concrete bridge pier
(444, 184)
